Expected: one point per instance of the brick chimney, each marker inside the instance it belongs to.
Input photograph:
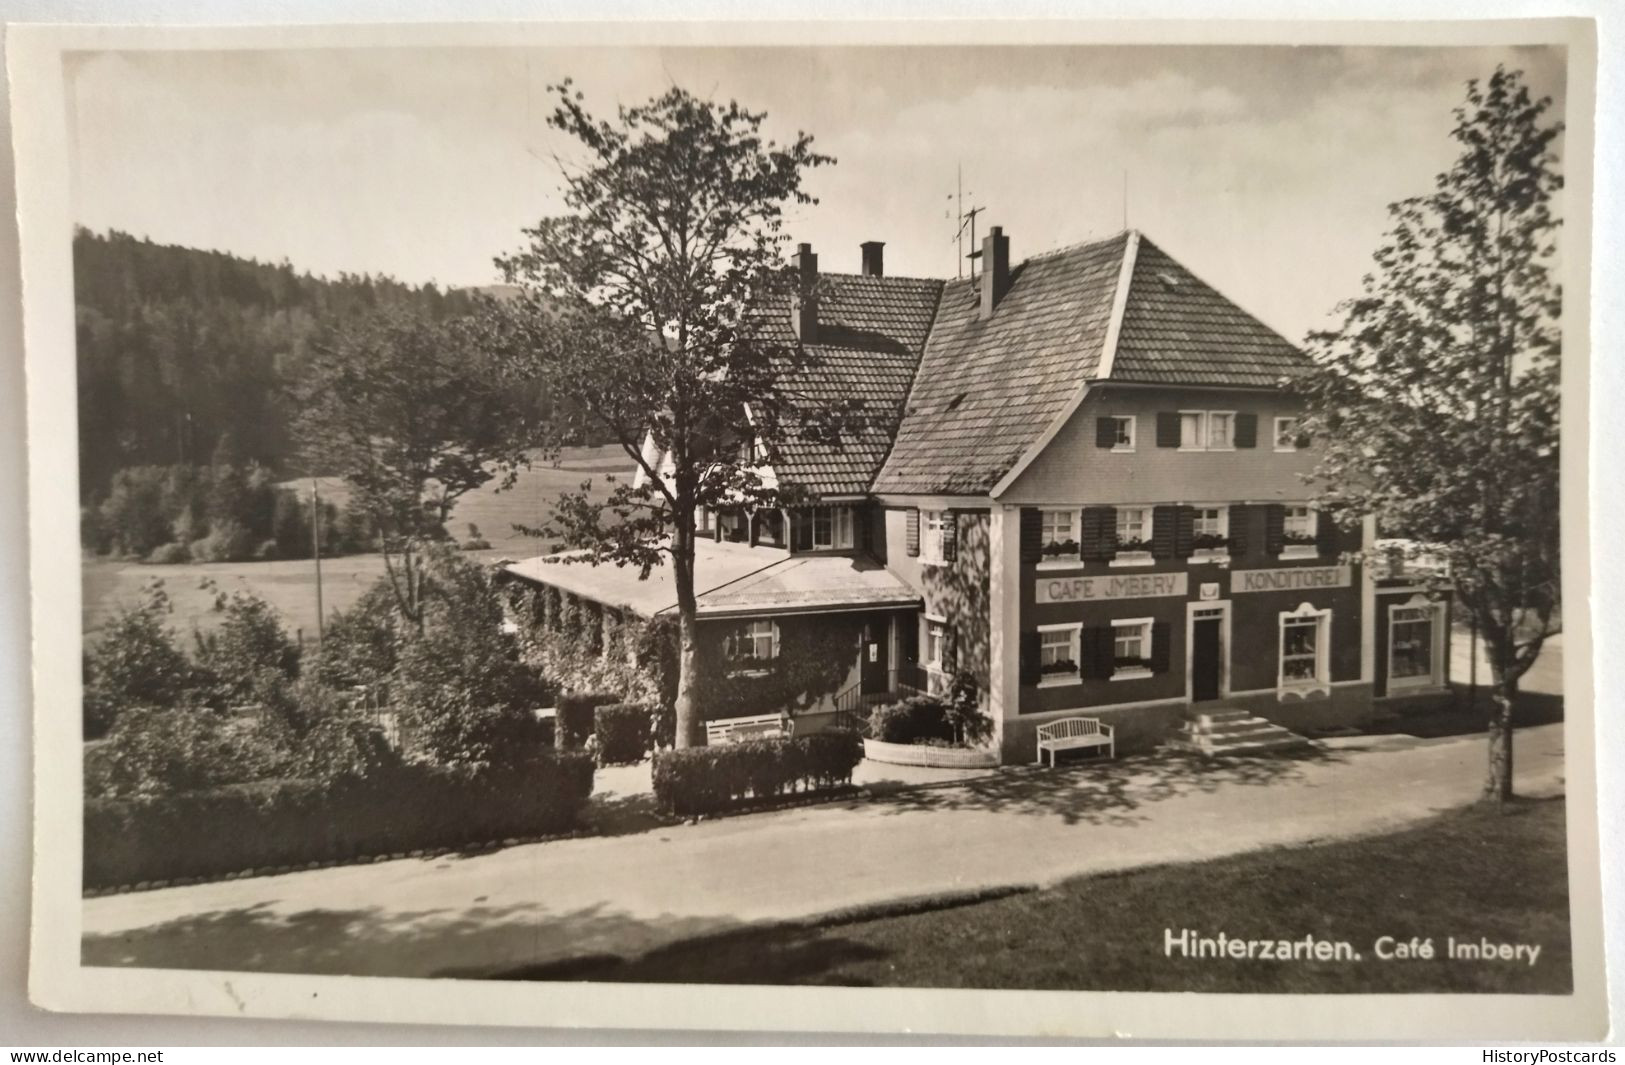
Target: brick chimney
(804, 310)
(995, 269)
(874, 259)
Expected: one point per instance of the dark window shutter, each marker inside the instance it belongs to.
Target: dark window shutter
(1246, 430)
(753, 523)
(716, 525)
(1167, 428)
(950, 535)
(1096, 648)
(1029, 658)
(1184, 531)
(1032, 535)
(801, 538)
(1240, 516)
(1161, 636)
(861, 538)
(1099, 533)
(1105, 432)
(1274, 528)
(912, 537)
(950, 649)
(1163, 522)
(1328, 540)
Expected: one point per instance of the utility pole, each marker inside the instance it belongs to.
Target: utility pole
(316, 549)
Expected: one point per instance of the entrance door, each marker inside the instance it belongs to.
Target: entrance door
(876, 652)
(1206, 640)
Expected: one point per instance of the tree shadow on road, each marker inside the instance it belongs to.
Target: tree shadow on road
(1109, 793)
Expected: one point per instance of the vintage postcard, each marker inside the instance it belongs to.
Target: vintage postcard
(982, 528)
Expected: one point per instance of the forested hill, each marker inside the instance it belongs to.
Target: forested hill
(177, 345)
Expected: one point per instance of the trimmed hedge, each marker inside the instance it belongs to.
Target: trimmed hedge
(279, 823)
(699, 780)
(573, 717)
(623, 731)
(913, 720)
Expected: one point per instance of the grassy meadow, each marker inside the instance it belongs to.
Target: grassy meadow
(290, 586)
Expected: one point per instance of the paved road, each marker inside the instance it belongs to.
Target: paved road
(623, 894)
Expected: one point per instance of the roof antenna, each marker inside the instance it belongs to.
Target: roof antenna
(966, 220)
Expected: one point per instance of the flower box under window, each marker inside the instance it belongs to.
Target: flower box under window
(1132, 551)
(1061, 549)
(1058, 667)
(1126, 668)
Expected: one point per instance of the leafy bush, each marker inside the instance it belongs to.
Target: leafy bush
(157, 751)
(171, 554)
(249, 642)
(574, 717)
(228, 541)
(295, 822)
(362, 645)
(134, 663)
(700, 780)
(911, 720)
(624, 731)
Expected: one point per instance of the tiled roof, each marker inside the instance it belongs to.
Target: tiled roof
(1178, 330)
(986, 390)
(871, 332)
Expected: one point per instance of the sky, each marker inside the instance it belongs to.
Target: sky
(1266, 170)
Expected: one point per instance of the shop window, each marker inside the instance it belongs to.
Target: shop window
(1059, 535)
(832, 528)
(1304, 645)
(1131, 648)
(1058, 653)
(1133, 536)
(1413, 661)
(752, 645)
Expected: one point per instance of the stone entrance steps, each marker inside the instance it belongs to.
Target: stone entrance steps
(1220, 732)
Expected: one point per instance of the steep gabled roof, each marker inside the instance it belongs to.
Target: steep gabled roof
(989, 392)
(1178, 330)
(871, 333)
(987, 389)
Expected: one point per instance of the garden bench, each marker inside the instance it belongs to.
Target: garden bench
(1074, 733)
(733, 729)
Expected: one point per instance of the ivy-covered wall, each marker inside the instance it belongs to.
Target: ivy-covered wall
(818, 659)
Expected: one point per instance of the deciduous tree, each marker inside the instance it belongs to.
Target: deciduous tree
(1436, 399)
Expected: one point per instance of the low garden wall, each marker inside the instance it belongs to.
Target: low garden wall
(925, 754)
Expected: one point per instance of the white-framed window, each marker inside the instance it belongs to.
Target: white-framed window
(934, 647)
(832, 528)
(1413, 648)
(1058, 532)
(1058, 654)
(932, 524)
(752, 644)
(1304, 647)
(1131, 648)
(1286, 433)
(1210, 531)
(1125, 426)
(1300, 527)
(704, 520)
(1133, 536)
(1207, 430)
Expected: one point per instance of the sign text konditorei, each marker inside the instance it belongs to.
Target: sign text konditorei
(1296, 579)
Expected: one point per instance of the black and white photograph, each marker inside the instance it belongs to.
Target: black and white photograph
(607, 514)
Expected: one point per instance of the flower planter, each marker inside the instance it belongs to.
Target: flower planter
(921, 754)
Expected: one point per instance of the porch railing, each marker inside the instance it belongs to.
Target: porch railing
(901, 682)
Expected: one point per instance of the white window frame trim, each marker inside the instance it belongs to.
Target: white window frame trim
(1061, 561)
(1275, 434)
(1146, 636)
(933, 666)
(1133, 433)
(744, 627)
(835, 527)
(1204, 423)
(1434, 681)
(933, 556)
(1322, 682)
(1134, 556)
(1309, 550)
(1061, 680)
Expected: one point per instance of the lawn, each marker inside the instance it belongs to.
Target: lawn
(1472, 874)
(291, 586)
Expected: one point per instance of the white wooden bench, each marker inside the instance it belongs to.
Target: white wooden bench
(1074, 733)
(733, 729)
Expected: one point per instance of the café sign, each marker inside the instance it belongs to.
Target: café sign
(1294, 579)
(1088, 589)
